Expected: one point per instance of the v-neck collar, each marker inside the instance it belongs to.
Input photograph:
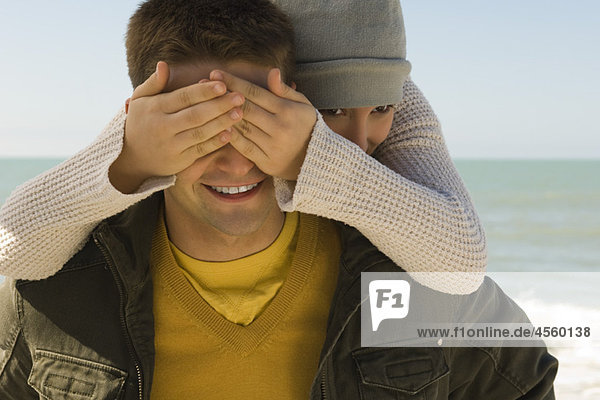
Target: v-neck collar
(243, 339)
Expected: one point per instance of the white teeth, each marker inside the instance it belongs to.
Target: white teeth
(233, 189)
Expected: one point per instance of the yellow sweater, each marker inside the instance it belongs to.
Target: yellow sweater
(201, 354)
(241, 289)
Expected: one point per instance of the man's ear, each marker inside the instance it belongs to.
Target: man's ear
(293, 85)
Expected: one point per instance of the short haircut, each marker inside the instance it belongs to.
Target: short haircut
(222, 31)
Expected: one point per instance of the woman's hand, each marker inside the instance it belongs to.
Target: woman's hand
(166, 132)
(276, 126)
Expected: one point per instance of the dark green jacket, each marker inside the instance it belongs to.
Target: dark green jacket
(88, 333)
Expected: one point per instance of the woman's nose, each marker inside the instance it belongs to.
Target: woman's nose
(357, 132)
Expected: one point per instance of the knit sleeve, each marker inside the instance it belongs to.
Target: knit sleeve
(48, 219)
(408, 199)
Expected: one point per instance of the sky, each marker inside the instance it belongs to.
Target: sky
(510, 79)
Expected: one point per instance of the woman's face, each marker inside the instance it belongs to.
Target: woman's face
(365, 126)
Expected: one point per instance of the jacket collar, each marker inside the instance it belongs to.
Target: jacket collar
(128, 238)
(358, 255)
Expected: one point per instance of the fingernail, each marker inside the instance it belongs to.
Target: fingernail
(238, 100)
(216, 75)
(219, 88)
(224, 137)
(234, 114)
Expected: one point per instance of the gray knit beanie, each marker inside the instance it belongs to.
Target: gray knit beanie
(349, 53)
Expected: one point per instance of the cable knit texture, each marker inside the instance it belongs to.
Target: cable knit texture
(408, 200)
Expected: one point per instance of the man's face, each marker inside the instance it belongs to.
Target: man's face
(222, 192)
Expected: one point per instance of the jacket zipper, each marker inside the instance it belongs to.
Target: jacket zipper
(124, 329)
(323, 389)
(328, 354)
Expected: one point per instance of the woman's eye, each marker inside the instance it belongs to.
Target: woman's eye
(332, 111)
(382, 109)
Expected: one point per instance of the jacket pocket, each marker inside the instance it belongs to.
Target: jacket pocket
(57, 376)
(401, 373)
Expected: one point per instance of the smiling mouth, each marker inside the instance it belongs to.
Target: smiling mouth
(233, 189)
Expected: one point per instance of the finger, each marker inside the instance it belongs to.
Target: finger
(200, 114)
(255, 93)
(254, 134)
(203, 148)
(279, 88)
(204, 132)
(155, 84)
(191, 95)
(247, 148)
(260, 117)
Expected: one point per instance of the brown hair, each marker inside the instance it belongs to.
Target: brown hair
(178, 31)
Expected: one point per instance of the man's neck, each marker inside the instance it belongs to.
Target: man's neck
(204, 242)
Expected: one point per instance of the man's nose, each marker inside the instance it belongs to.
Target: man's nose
(232, 162)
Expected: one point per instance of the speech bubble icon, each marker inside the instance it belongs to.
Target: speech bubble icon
(389, 299)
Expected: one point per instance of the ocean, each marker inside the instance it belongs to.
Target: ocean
(539, 216)
(544, 216)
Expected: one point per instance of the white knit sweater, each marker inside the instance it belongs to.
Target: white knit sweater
(408, 200)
